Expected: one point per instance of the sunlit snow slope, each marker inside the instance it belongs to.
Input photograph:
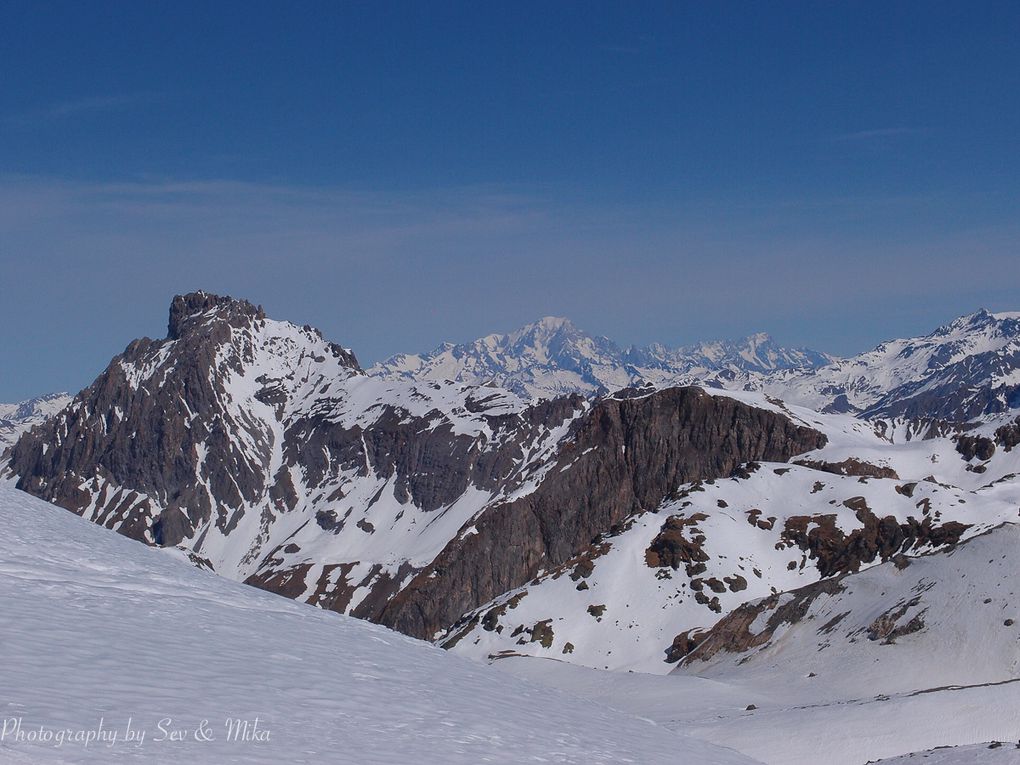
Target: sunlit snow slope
(902, 657)
(97, 627)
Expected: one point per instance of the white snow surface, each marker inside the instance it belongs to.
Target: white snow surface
(97, 628)
(995, 753)
(826, 693)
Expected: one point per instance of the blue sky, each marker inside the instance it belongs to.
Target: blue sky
(399, 174)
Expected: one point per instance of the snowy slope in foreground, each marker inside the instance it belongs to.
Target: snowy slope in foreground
(97, 626)
(784, 731)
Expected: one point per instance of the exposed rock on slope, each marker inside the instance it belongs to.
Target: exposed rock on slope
(943, 619)
(623, 457)
(663, 577)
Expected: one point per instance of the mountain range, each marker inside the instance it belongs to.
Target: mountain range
(545, 494)
(959, 371)
(553, 357)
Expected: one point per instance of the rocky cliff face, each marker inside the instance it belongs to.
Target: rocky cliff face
(624, 456)
(266, 453)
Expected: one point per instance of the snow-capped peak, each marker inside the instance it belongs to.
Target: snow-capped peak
(543, 359)
(552, 356)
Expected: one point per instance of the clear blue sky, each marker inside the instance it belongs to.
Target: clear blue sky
(399, 174)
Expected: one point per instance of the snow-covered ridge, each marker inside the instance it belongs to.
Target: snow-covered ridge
(15, 419)
(959, 371)
(99, 630)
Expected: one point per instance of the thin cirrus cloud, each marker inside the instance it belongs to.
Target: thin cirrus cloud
(444, 249)
(878, 133)
(385, 272)
(75, 107)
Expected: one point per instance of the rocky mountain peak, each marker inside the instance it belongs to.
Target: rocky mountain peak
(552, 338)
(548, 325)
(981, 322)
(185, 309)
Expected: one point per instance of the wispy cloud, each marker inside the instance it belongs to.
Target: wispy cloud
(642, 44)
(388, 271)
(878, 133)
(613, 48)
(74, 107)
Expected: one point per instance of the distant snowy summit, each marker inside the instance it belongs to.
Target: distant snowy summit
(15, 419)
(552, 357)
(960, 371)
